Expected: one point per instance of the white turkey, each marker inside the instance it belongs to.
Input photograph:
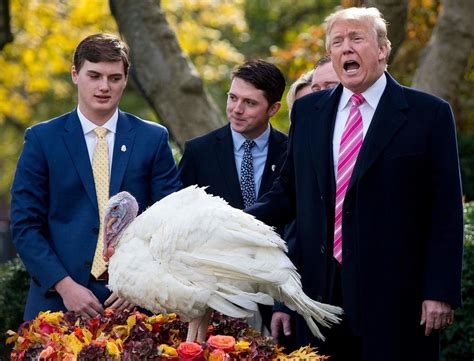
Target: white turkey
(192, 252)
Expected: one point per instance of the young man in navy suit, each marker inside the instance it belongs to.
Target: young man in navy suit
(216, 160)
(54, 209)
(372, 175)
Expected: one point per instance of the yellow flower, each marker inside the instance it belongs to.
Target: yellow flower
(53, 318)
(114, 347)
(168, 350)
(242, 346)
(13, 336)
(132, 321)
(73, 343)
(87, 336)
(121, 331)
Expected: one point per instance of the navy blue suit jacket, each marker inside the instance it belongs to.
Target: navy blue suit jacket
(54, 212)
(209, 161)
(402, 220)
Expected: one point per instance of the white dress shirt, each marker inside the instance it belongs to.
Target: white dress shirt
(90, 137)
(367, 109)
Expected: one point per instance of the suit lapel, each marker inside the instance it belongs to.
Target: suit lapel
(224, 147)
(321, 134)
(276, 150)
(76, 145)
(123, 146)
(387, 120)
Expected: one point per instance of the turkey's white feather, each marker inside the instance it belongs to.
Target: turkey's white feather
(191, 251)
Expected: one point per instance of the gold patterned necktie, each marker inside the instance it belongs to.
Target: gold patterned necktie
(100, 169)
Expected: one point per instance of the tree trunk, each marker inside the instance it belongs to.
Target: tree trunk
(5, 31)
(444, 59)
(395, 12)
(164, 74)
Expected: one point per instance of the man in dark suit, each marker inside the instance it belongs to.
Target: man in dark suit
(372, 175)
(217, 159)
(55, 209)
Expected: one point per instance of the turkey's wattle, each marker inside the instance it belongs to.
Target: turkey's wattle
(191, 252)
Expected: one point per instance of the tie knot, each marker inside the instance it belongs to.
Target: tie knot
(357, 99)
(100, 132)
(249, 144)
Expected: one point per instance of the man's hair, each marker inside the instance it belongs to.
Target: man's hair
(372, 16)
(101, 47)
(324, 60)
(264, 76)
(304, 80)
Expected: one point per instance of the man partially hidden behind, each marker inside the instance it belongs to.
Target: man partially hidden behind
(372, 176)
(239, 161)
(68, 168)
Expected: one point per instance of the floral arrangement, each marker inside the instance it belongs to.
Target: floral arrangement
(135, 336)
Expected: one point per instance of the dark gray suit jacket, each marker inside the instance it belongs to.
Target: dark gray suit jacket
(209, 161)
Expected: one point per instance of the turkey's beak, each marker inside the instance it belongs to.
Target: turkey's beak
(111, 221)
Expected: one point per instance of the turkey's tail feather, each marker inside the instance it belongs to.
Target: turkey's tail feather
(295, 299)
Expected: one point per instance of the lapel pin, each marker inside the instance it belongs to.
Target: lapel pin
(123, 148)
(273, 167)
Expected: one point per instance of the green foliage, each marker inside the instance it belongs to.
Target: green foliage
(14, 281)
(458, 339)
(466, 159)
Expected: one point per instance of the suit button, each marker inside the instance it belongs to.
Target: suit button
(322, 197)
(323, 249)
(348, 212)
(95, 230)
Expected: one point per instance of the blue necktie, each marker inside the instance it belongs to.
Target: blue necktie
(247, 185)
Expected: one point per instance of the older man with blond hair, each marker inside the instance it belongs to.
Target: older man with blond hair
(372, 175)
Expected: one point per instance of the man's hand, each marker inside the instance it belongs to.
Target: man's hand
(118, 304)
(280, 320)
(435, 315)
(78, 298)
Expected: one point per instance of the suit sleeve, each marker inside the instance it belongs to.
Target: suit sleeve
(277, 206)
(29, 215)
(187, 166)
(165, 178)
(444, 248)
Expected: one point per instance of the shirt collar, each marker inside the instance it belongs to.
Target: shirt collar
(88, 126)
(372, 95)
(260, 142)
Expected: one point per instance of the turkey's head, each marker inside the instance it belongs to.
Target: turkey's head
(121, 210)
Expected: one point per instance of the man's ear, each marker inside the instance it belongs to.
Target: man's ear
(274, 108)
(74, 74)
(383, 52)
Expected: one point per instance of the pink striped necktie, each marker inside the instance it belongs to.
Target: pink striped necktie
(351, 141)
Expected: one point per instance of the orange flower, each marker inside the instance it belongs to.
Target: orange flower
(218, 355)
(190, 351)
(225, 343)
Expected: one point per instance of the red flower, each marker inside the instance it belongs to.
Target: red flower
(47, 328)
(78, 332)
(225, 343)
(190, 351)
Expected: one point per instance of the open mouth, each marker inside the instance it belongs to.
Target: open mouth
(351, 66)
